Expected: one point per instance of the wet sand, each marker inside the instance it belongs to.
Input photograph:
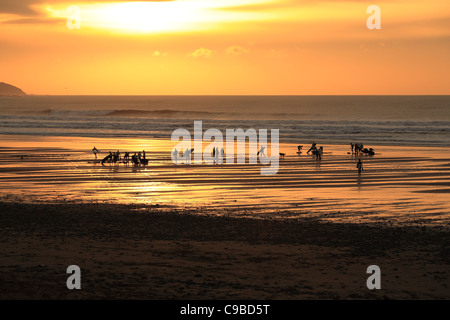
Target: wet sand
(135, 252)
(398, 185)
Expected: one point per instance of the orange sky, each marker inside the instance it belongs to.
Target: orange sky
(226, 47)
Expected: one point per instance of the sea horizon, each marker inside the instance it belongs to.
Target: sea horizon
(374, 120)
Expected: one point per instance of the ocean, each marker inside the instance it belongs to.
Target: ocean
(372, 120)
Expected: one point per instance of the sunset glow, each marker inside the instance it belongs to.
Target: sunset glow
(256, 46)
(160, 16)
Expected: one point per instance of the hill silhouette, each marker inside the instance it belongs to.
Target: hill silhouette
(9, 90)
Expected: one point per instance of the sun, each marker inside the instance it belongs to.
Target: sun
(159, 16)
(155, 16)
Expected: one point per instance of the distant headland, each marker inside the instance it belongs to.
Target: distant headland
(9, 90)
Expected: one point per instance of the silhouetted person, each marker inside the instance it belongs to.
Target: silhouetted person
(143, 160)
(359, 165)
(135, 159)
(352, 147)
(313, 148)
(108, 158)
(126, 157)
(187, 155)
(216, 158)
(261, 151)
(319, 153)
(175, 155)
(95, 151)
(116, 156)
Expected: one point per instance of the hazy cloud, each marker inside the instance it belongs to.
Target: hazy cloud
(236, 50)
(159, 54)
(31, 20)
(24, 7)
(201, 53)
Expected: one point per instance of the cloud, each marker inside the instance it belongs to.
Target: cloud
(25, 7)
(24, 11)
(159, 54)
(236, 50)
(201, 53)
(22, 7)
(31, 20)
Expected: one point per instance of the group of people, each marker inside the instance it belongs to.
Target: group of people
(358, 148)
(317, 152)
(114, 157)
(217, 155)
(183, 156)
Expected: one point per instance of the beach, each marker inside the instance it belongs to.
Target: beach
(222, 231)
(134, 252)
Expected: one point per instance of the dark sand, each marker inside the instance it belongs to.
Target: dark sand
(157, 252)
